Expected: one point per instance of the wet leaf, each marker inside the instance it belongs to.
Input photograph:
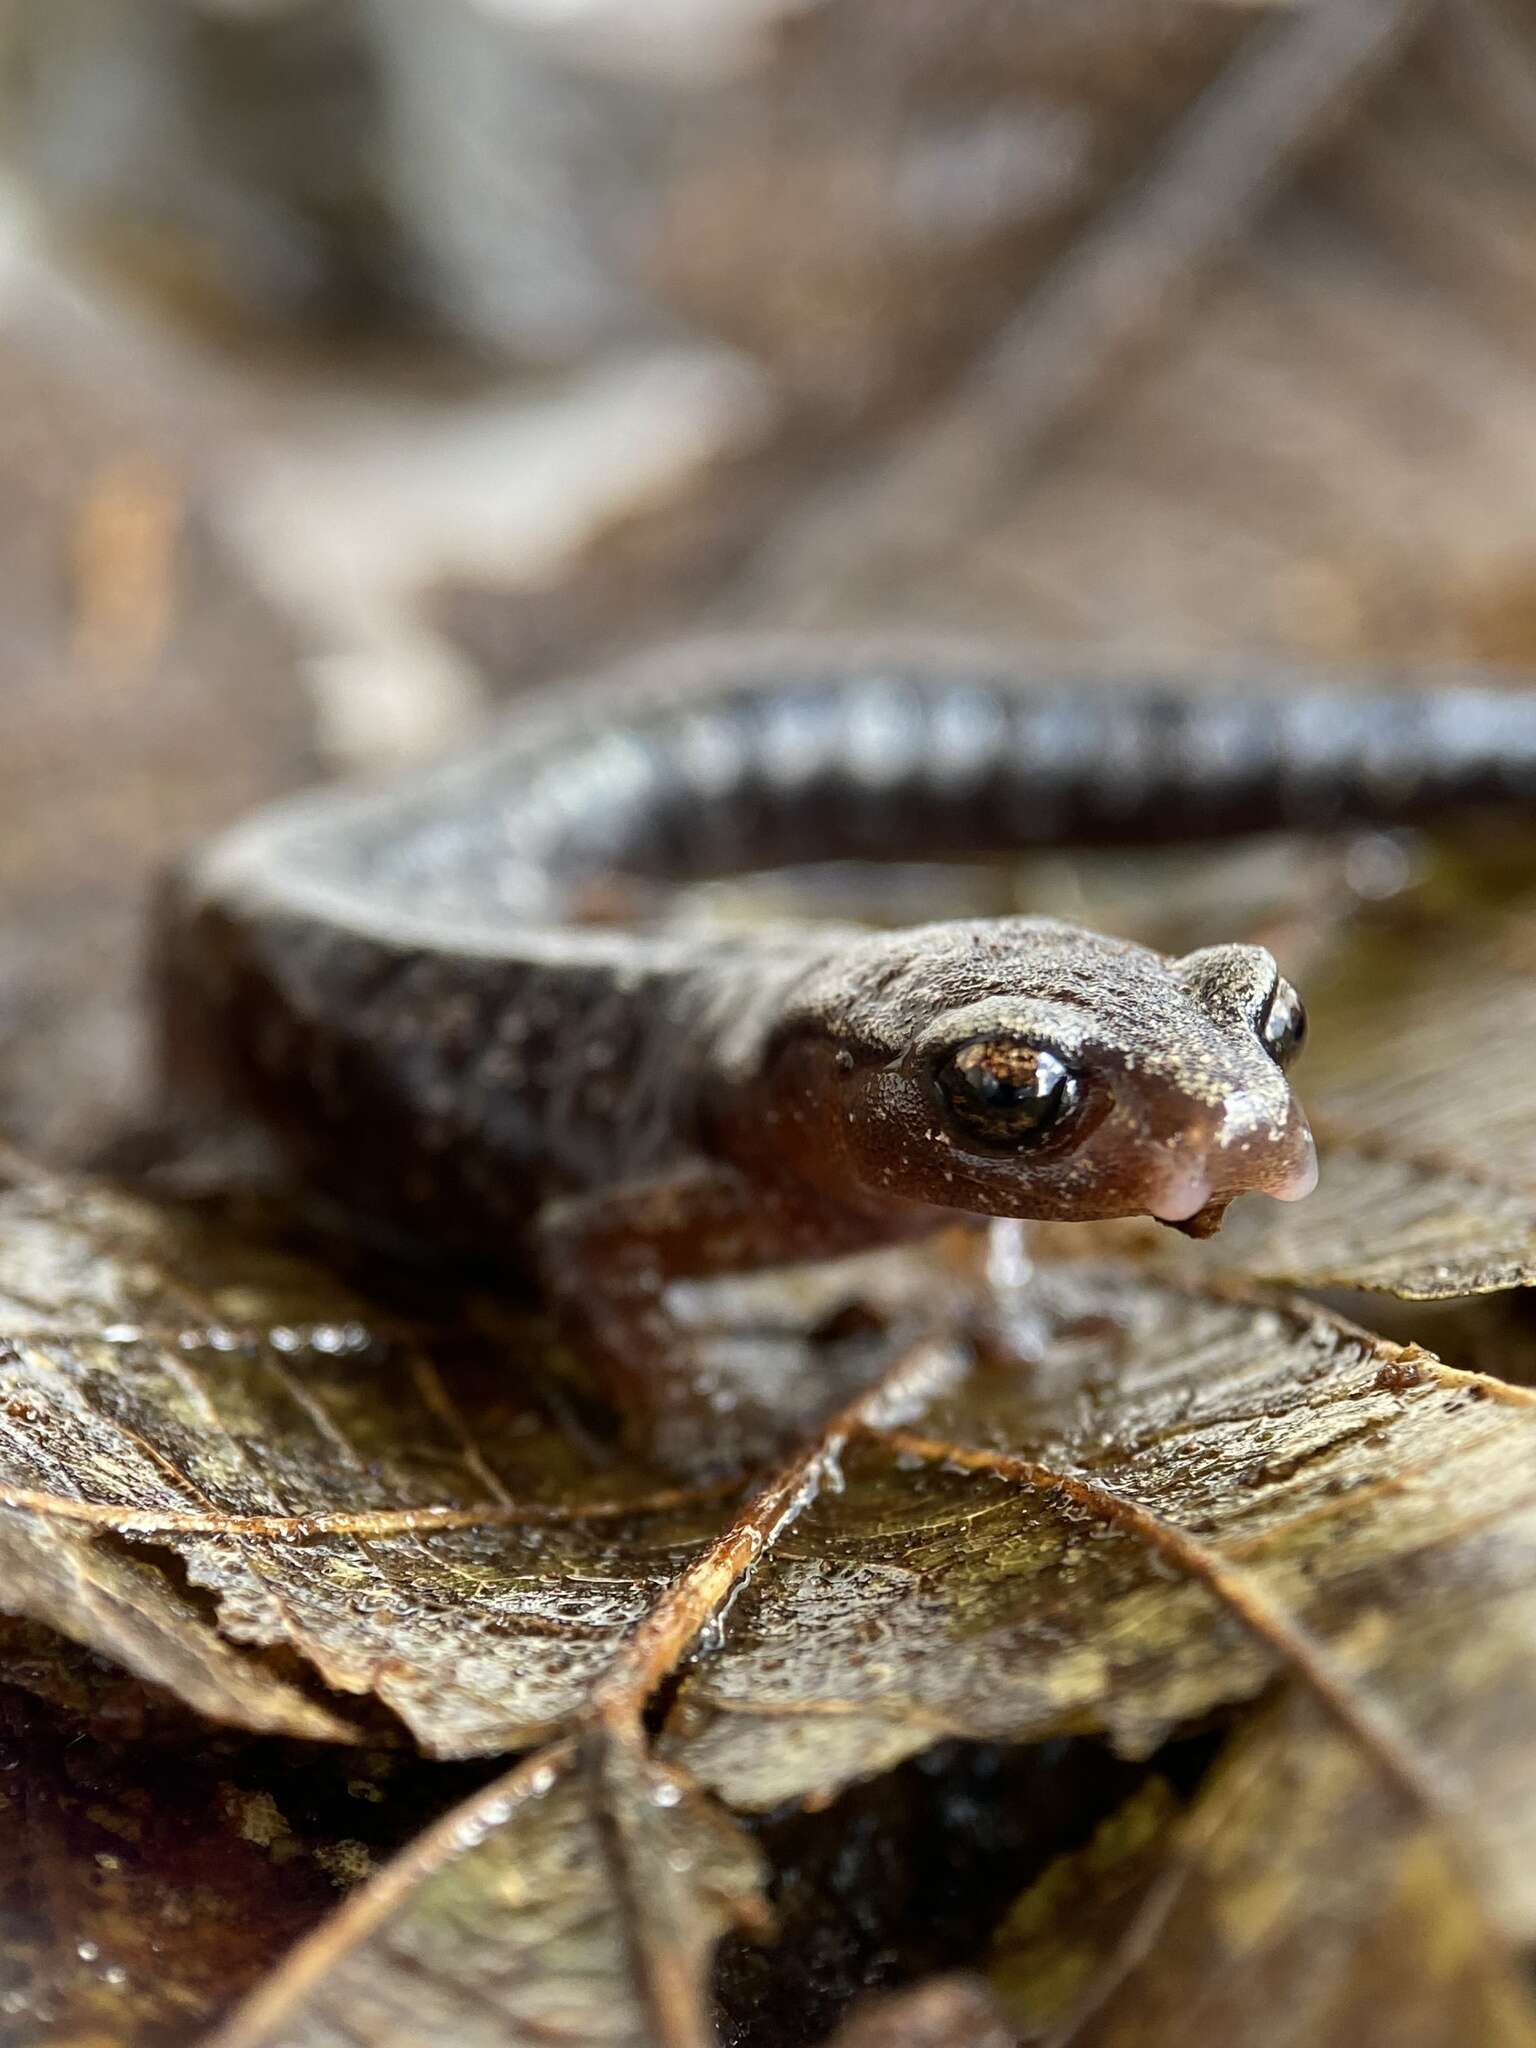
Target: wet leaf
(1419, 1080)
(577, 1900)
(624, 1874)
(187, 1415)
(172, 1384)
(1300, 1901)
(1192, 1493)
(131, 1612)
(1191, 1496)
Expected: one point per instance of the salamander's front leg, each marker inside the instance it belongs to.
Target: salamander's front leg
(606, 1261)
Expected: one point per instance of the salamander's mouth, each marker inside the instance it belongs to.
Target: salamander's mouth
(1205, 1222)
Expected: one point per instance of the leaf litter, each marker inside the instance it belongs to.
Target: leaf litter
(1418, 1083)
(1295, 1902)
(313, 1473)
(1197, 1492)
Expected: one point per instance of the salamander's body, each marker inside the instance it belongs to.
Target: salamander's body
(408, 983)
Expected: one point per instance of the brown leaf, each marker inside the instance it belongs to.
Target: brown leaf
(576, 1900)
(1299, 1902)
(1419, 1080)
(216, 1448)
(1191, 1495)
(166, 1381)
(1192, 1492)
(638, 1871)
(133, 1613)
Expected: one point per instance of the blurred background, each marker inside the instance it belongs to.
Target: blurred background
(363, 362)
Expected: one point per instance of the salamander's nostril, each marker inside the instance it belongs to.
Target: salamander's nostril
(1184, 1180)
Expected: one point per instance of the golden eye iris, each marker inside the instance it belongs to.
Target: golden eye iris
(1006, 1093)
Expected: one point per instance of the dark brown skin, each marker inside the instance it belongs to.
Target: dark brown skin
(407, 986)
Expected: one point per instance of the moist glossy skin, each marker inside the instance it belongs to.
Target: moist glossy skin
(411, 987)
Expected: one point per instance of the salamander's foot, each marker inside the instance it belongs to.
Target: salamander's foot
(738, 1398)
(729, 1379)
(701, 1403)
(711, 1367)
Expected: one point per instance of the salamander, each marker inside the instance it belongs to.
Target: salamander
(414, 986)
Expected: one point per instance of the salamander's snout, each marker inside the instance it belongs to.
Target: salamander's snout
(1214, 1090)
(1301, 1179)
(1198, 1174)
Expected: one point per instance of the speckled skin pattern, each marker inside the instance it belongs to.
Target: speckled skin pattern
(410, 986)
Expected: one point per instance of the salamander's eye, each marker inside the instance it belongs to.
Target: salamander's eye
(1007, 1094)
(1284, 1025)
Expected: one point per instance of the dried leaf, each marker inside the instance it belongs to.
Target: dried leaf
(1193, 1492)
(166, 1382)
(1190, 1496)
(575, 1901)
(1419, 1081)
(1301, 1901)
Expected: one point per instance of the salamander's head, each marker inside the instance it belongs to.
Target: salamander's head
(1027, 1068)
